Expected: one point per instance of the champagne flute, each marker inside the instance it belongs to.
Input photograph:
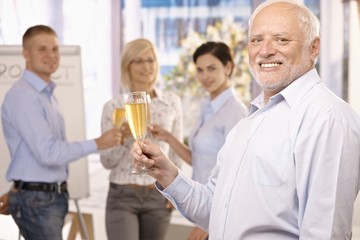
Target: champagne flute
(118, 117)
(136, 115)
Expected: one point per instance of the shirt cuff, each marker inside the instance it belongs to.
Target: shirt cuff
(178, 190)
(89, 146)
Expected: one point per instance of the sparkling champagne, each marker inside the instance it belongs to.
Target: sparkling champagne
(137, 118)
(118, 117)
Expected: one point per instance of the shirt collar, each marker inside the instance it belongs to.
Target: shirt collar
(220, 100)
(38, 83)
(292, 94)
(159, 94)
(296, 90)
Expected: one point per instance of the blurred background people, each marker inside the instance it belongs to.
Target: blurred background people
(134, 208)
(219, 113)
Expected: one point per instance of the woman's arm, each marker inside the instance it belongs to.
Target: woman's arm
(177, 146)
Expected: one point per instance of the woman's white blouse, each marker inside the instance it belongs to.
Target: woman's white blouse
(166, 111)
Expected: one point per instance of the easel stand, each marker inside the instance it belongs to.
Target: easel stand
(81, 222)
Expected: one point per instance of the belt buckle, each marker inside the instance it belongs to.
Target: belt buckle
(18, 185)
(59, 187)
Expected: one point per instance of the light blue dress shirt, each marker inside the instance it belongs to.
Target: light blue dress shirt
(288, 171)
(35, 133)
(217, 118)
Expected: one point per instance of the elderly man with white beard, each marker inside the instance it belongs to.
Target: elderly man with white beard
(290, 170)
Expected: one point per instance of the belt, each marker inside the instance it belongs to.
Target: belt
(41, 186)
(134, 186)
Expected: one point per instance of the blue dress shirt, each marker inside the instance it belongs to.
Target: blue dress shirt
(288, 171)
(35, 133)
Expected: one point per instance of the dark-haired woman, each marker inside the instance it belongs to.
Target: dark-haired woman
(220, 111)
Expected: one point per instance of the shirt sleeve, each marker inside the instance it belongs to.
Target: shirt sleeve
(327, 177)
(31, 122)
(192, 199)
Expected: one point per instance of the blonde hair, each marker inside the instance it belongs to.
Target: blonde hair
(133, 50)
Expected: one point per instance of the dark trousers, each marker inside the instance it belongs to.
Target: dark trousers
(136, 213)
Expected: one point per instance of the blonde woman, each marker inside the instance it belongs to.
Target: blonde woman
(134, 208)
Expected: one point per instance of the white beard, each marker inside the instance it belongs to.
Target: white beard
(274, 82)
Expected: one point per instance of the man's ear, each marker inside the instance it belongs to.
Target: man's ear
(26, 54)
(315, 48)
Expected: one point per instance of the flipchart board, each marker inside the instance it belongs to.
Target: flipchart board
(69, 92)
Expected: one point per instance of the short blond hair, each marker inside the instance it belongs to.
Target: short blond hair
(133, 50)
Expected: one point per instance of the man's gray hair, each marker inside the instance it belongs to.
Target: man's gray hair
(309, 23)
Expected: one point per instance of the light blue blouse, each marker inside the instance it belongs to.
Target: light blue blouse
(217, 118)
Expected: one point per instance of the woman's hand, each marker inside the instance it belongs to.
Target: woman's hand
(159, 133)
(4, 204)
(198, 234)
(125, 132)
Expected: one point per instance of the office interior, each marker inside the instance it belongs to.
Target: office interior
(101, 28)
